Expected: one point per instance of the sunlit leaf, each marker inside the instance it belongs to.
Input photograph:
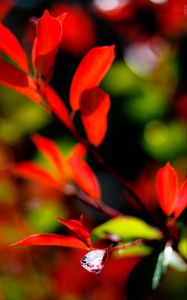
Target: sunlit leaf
(127, 228)
(46, 44)
(49, 239)
(167, 183)
(10, 46)
(90, 72)
(32, 171)
(181, 199)
(49, 149)
(94, 107)
(78, 228)
(17, 80)
(136, 250)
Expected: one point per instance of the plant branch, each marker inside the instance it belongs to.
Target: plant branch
(126, 186)
(128, 245)
(73, 192)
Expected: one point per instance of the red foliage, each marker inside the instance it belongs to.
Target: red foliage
(94, 107)
(71, 168)
(10, 46)
(14, 78)
(76, 22)
(90, 72)
(50, 239)
(32, 171)
(171, 199)
(78, 229)
(46, 44)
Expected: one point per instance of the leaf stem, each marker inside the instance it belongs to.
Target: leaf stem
(98, 205)
(128, 245)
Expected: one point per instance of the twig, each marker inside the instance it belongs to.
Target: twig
(98, 205)
(128, 245)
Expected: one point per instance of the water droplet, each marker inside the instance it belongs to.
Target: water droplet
(94, 260)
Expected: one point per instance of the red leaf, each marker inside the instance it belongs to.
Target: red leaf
(78, 228)
(10, 46)
(49, 149)
(95, 105)
(90, 72)
(84, 177)
(78, 20)
(181, 199)
(34, 172)
(5, 7)
(49, 239)
(57, 105)
(79, 151)
(167, 183)
(46, 44)
(18, 81)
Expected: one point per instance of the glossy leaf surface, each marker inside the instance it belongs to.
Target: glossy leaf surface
(167, 184)
(126, 228)
(17, 80)
(181, 199)
(46, 44)
(95, 105)
(10, 46)
(47, 239)
(90, 72)
(78, 228)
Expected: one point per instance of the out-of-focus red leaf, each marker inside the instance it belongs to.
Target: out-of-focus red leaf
(84, 177)
(167, 184)
(48, 148)
(90, 72)
(57, 105)
(10, 46)
(76, 22)
(95, 105)
(79, 151)
(181, 199)
(78, 228)
(46, 44)
(18, 81)
(34, 172)
(5, 6)
(50, 239)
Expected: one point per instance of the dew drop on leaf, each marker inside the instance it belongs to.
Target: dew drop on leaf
(94, 260)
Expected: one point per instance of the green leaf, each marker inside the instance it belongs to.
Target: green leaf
(182, 246)
(136, 250)
(145, 276)
(42, 218)
(126, 228)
